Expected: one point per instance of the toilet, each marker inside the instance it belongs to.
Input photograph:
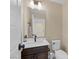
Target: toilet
(57, 53)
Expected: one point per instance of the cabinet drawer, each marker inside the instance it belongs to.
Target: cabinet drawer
(34, 50)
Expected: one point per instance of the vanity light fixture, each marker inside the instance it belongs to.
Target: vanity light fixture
(34, 4)
(39, 5)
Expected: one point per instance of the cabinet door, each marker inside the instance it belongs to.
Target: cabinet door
(42, 56)
(28, 57)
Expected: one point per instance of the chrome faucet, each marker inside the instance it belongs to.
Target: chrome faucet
(34, 37)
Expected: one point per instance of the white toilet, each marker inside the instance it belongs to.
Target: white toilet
(57, 53)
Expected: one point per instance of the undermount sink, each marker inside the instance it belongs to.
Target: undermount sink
(39, 42)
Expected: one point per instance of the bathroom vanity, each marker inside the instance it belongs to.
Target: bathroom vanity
(35, 53)
(35, 50)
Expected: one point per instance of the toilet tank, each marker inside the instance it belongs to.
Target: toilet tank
(55, 44)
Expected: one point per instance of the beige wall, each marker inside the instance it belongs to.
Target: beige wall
(65, 27)
(53, 21)
(56, 21)
(26, 16)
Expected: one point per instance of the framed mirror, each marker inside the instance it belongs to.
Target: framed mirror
(36, 23)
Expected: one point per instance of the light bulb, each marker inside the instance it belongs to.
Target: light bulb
(39, 6)
(32, 4)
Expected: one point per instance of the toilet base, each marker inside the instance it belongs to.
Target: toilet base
(59, 54)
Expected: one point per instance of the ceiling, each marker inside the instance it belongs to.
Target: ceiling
(58, 1)
(18, 1)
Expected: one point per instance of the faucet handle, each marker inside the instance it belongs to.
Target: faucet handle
(33, 34)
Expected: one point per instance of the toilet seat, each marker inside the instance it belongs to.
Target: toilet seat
(60, 54)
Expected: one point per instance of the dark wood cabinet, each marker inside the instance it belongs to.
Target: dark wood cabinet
(42, 55)
(28, 57)
(35, 53)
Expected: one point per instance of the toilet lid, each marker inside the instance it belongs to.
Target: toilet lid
(60, 54)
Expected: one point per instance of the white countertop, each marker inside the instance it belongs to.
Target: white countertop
(30, 43)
